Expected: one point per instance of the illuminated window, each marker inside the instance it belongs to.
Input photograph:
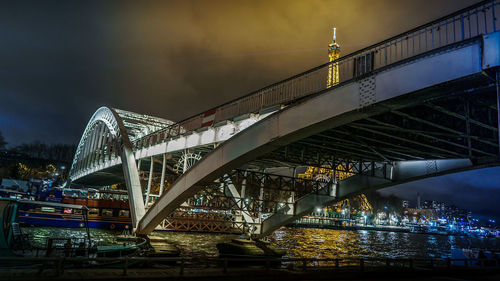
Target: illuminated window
(93, 212)
(68, 210)
(48, 209)
(107, 212)
(124, 213)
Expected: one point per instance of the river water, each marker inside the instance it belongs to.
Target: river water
(303, 242)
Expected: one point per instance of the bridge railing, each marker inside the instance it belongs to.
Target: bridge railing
(470, 22)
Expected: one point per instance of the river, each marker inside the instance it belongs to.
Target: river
(303, 242)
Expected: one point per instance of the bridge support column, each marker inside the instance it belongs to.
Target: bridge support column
(162, 180)
(497, 78)
(133, 186)
(253, 224)
(150, 179)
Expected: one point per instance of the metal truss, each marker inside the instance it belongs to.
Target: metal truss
(191, 219)
(239, 202)
(460, 125)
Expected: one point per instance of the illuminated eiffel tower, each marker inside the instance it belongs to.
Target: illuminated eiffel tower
(333, 68)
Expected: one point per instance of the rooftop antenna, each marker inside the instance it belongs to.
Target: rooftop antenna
(334, 34)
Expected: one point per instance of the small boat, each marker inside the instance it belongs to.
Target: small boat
(246, 250)
(419, 229)
(486, 256)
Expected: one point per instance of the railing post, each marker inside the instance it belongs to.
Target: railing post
(462, 26)
(493, 15)
(125, 267)
(59, 266)
(225, 266)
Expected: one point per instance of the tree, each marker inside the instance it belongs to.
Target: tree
(3, 143)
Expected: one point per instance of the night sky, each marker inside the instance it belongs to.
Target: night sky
(60, 61)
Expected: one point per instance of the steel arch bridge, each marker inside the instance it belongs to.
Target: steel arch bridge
(420, 104)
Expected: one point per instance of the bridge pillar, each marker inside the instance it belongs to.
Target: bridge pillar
(150, 179)
(497, 78)
(239, 199)
(133, 186)
(163, 167)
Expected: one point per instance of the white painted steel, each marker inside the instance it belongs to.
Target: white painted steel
(309, 117)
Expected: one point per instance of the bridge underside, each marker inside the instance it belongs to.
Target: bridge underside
(451, 120)
(456, 120)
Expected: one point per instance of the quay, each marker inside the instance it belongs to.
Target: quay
(337, 224)
(353, 227)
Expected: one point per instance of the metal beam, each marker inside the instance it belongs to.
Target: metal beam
(498, 108)
(460, 116)
(150, 179)
(357, 126)
(163, 168)
(468, 148)
(133, 184)
(406, 149)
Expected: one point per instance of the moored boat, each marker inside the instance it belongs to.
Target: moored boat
(106, 209)
(248, 250)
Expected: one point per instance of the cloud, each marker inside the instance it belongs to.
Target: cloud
(172, 59)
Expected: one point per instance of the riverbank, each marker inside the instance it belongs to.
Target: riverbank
(351, 228)
(402, 229)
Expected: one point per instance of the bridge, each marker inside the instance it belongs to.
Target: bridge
(420, 104)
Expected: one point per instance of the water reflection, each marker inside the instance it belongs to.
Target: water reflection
(302, 243)
(340, 244)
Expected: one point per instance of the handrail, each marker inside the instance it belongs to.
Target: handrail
(469, 22)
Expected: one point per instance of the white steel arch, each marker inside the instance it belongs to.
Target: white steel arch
(106, 138)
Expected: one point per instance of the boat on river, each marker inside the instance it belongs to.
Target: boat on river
(13, 243)
(247, 250)
(106, 209)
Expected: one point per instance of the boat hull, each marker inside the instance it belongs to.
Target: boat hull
(72, 221)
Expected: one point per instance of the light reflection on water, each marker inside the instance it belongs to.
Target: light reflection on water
(327, 243)
(303, 243)
(40, 234)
